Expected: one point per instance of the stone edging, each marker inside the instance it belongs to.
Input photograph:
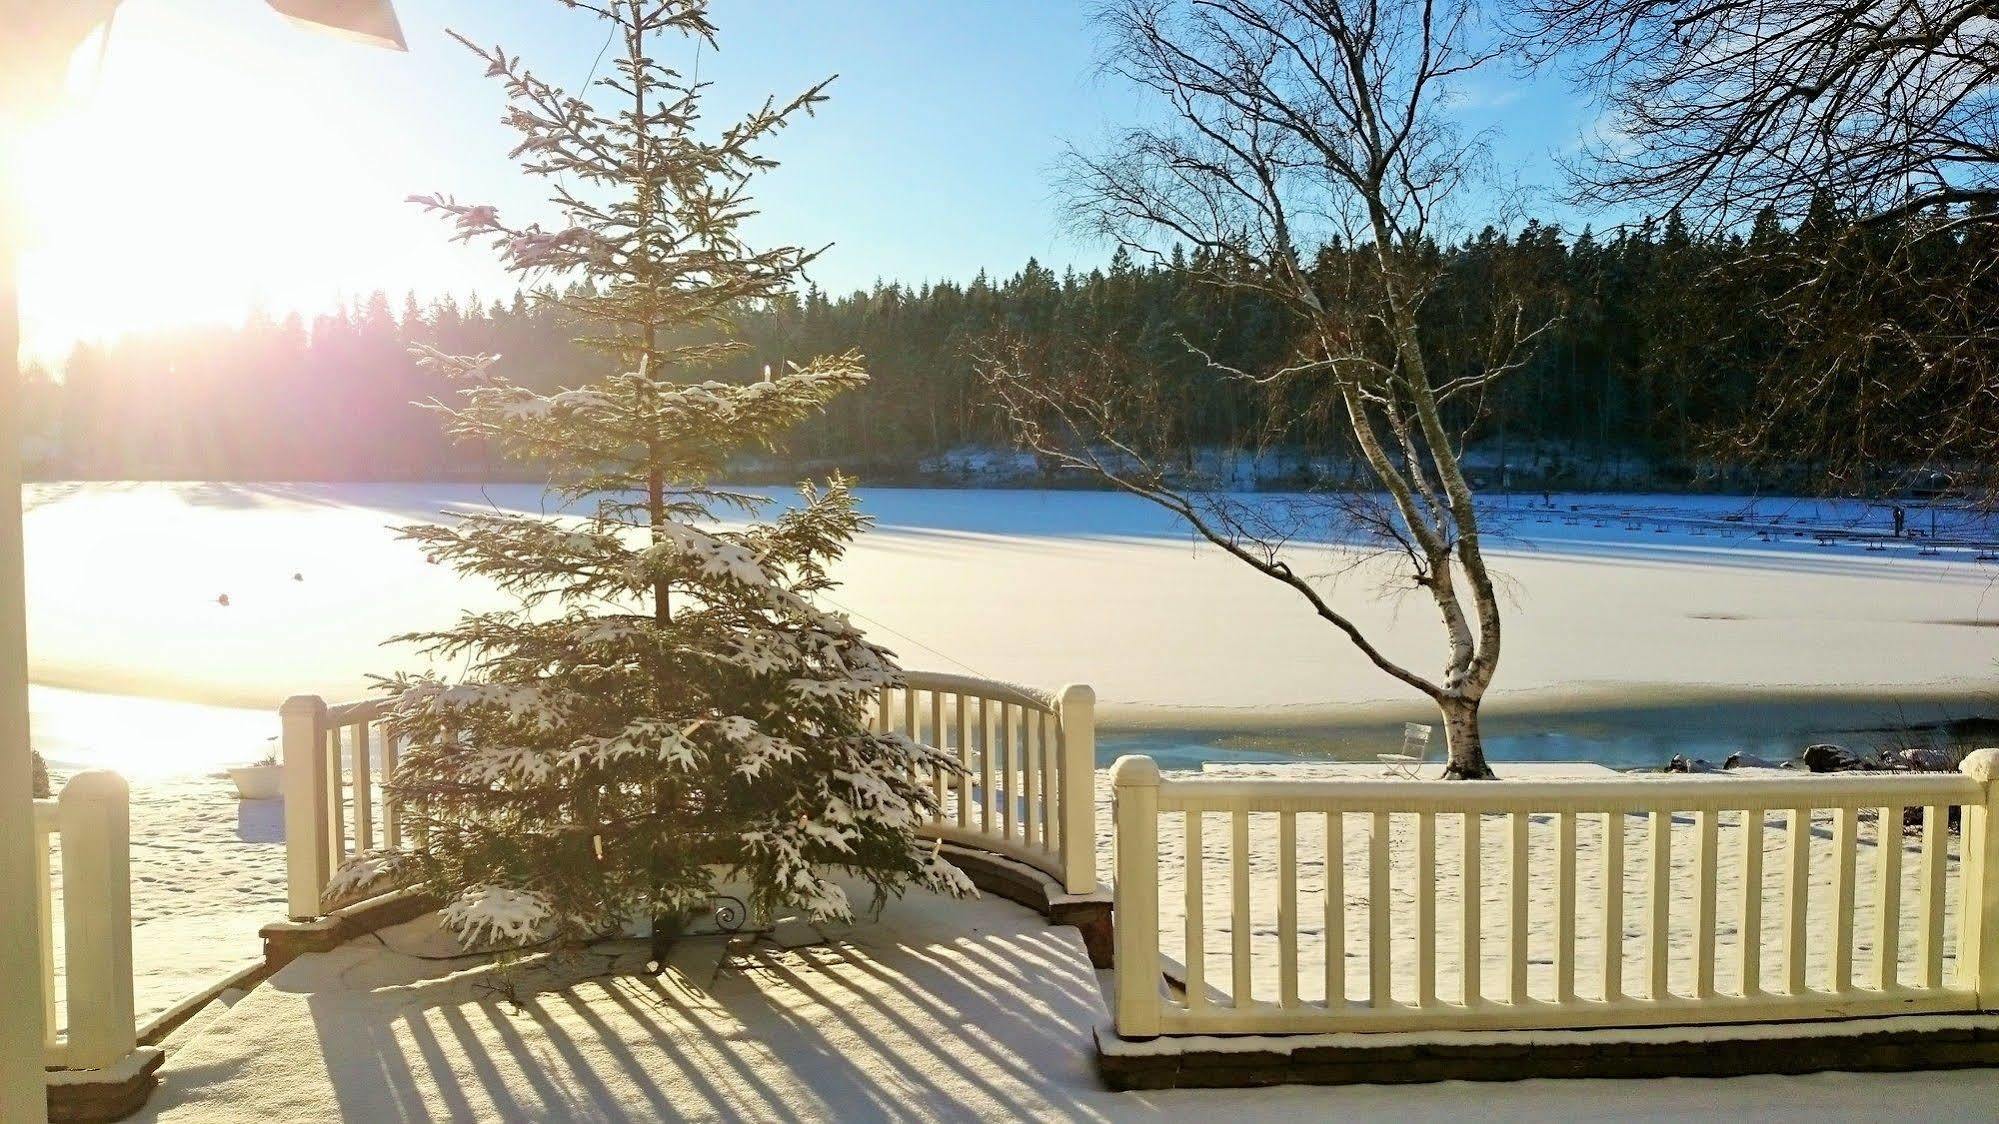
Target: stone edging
(1022, 884)
(1915, 1042)
(286, 941)
(90, 1096)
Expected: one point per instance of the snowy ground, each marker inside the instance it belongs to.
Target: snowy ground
(942, 1011)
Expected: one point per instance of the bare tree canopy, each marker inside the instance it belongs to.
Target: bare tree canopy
(1891, 108)
(1307, 156)
(1876, 127)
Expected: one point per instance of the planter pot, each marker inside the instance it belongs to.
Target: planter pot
(258, 782)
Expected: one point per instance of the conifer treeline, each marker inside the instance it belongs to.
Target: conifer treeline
(1658, 347)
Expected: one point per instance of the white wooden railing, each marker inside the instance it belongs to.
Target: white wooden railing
(1552, 926)
(336, 760)
(1030, 788)
(87, 826)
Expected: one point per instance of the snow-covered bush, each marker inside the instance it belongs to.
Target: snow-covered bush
(669, 695)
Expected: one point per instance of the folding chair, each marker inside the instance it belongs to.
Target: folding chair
(1415, 747)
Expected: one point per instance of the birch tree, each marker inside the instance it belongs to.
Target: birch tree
(1305, 152)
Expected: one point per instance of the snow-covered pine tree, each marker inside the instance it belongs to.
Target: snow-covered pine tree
(669, 695)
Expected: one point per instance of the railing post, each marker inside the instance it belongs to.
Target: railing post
(1079, 788)
(97, 919)
(303, 719)
(1135, 894)
(1978, 934)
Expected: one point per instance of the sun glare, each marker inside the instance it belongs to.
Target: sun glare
(191, 176)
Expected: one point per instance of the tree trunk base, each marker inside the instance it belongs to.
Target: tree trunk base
(666, 928)
(1458, 771)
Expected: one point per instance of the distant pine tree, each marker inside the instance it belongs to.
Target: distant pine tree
(669, 698)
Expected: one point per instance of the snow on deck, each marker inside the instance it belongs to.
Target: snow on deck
(941, 1011)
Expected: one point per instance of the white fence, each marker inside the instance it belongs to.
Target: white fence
(336, 761)
(1030, 789)
(1453, 943)
(88, 827)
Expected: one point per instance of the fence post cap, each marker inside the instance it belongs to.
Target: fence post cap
(97, 785)
(1134, 769)
(1981, 766)
(299, 704)
(1078, 693)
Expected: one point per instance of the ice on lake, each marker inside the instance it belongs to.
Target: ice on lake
(1638, 625)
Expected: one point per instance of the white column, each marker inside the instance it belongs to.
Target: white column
(97, 919)
(1135, 895)
(1078, 778)
(1978, 917)
(21, 984)
(34, 56)
(307, 860)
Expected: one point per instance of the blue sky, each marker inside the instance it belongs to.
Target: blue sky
(226, 160)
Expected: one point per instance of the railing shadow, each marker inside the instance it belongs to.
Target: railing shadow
(985, 1017)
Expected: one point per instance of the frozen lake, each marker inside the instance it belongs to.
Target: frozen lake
(1638, 626)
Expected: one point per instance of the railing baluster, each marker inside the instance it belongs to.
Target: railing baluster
(1287, 908)
(1797, 899)
(1516, 900)
(1426, 909)
(1709, 826)
(1051, 782)
(937, 742)
(1379, 965)
(1658, 903)
(1197, 919)
(336, 800)
(986, 808)
(1009, 772)
(1613, 906)
(1239, 962)
(1751, 972)
(392, 814)
(1030, 741)
(1336, 910)
(1936, 825)
(1471, 863)
(964, 766)
(1845, 831)
(364, 791)
(1565, 916)
(1887, 898)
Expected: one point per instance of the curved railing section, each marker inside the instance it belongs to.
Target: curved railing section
(1552, 904)
(1026, 781)
(1027, 792)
